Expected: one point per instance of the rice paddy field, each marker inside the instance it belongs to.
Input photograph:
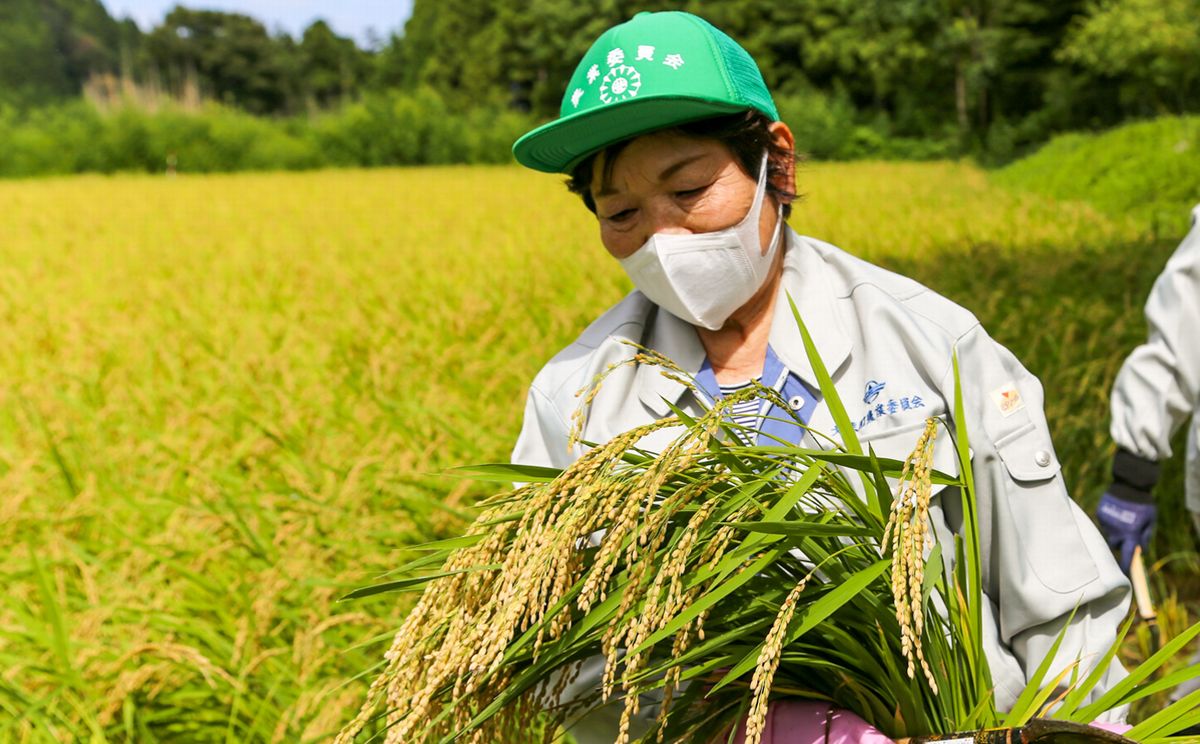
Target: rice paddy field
(227, 401)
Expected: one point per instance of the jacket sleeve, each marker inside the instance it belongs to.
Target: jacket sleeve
(1042, 557)
(543, 437)
(1191, 484)
(1158, 386)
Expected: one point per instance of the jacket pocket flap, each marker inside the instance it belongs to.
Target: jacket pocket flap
(1028, 454)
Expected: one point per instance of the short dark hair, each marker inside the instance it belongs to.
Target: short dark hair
(746, 134)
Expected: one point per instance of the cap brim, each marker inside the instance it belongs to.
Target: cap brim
(557, 146)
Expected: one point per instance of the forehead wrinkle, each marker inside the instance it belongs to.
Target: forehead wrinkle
(606, 188)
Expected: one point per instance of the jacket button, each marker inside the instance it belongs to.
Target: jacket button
(1042, 458)
(796, 403)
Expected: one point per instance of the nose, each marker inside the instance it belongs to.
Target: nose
(664, 218)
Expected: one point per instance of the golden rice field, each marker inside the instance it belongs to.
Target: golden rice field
(225, 402)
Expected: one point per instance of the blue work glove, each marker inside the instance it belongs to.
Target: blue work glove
(1126, 525)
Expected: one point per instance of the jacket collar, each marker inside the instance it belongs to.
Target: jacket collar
(810, 284)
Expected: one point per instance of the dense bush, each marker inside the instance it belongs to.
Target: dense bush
(828, 127)
(384, 129)
(415, 129)
(76, 138)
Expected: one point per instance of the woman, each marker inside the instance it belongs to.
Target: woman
(671, 138)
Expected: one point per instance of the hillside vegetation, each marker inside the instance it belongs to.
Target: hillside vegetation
(1149, 171)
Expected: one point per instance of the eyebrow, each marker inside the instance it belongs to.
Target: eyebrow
(666, 173)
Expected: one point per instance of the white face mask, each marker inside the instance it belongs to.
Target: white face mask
(703, 278)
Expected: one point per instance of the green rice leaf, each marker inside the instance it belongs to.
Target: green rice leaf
(1080, 691)
(1123, 692)
(796, 492)
(813, 614)
(801, 528)
(1173, 718)
(1032, 697)
(828, 392)
(709, 599)
(889, 467)
(934, 573)
(505, 472)
(971, 562)
(413, 583)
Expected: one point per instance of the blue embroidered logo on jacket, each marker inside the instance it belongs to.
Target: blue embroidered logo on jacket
(883, 409)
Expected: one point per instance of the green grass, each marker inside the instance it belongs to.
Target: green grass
(226, 401)
(1148, 170)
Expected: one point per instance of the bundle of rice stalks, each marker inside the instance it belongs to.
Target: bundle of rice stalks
(713, 577)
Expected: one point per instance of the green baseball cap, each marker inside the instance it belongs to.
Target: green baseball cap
(655, 70)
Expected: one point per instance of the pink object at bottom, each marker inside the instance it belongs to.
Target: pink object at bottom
(805, 722)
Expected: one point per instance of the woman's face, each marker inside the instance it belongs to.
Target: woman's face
(666, 182)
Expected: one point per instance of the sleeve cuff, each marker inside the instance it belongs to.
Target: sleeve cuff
(1134, 476)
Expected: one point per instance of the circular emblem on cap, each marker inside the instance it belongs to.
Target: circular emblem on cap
(620, 83)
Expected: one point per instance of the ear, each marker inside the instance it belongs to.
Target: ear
(783, 139)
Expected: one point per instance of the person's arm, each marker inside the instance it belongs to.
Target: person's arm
(1156, 390)
(1043, 559)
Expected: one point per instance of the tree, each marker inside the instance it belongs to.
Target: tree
(49, 48)
(1151, 48)
(230, 55)
(331, 67)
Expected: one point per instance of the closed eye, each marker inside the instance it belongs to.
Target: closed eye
(691, 193)
(621, 216)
